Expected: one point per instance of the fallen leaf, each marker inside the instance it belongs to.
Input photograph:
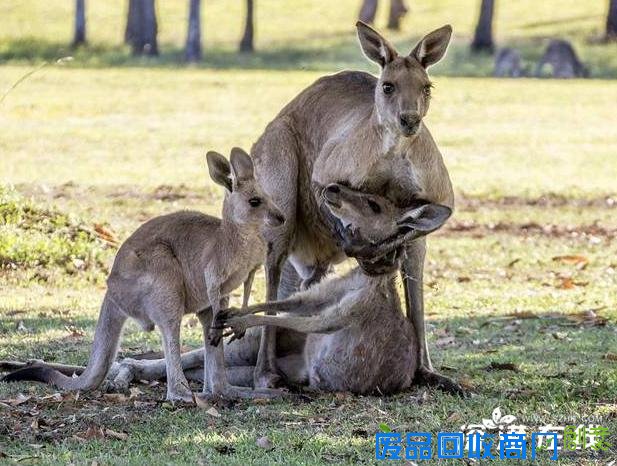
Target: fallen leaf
(502, 366)
(580, 261)
(513, 263)
(444, 341)
(105, 234)
(587, 318)
(20, 399)
(93, 432)
(144, 404)
(265, 443)
(116, 435)
(566, 284)
(610, 357)
(57, 397)
(74, 332)
(135, 392)
(213, 412)
(115, 397)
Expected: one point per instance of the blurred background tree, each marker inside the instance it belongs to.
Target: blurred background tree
(611, 21)
(483, 35)
(398, 9)
(141, 27)
(79, 37)
(193, 35)
(246, 43)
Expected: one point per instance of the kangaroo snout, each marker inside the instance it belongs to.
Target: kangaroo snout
(410, 123)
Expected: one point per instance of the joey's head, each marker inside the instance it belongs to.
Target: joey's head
(245, 203)
(375, 219)
(403, 90)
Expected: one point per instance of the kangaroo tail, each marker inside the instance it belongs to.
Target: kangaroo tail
(104, 349)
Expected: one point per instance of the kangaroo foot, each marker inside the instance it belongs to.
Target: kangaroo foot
(231, 392)
(179, 394)
(267, 379)
(425, 376)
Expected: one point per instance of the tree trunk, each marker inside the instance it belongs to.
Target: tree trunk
(483, 37)
(246, 44)
(141, 27)
(611, 20)
(398, 9)
(80, 23)
(368, 11)
(193, 37)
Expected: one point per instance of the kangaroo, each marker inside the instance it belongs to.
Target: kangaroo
(184, 262)
(359, 339)
(563, 60)
(365, 132)
(508, 64)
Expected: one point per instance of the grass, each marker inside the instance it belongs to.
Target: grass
(90, 150)
(290, 35)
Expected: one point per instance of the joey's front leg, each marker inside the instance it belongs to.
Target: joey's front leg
(215, 375)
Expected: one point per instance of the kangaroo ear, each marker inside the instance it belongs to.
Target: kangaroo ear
(433, 46)
(241, 165)
(219, 169)
(424, 219)
(375, 47)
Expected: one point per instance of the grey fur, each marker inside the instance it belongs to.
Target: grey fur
(343, 128)
(359, 339)
(175, 264)
(564, 62)
(508, 64)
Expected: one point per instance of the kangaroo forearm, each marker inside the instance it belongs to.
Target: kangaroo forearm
(313, 324)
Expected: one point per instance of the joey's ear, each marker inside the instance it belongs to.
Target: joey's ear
(433, 46)
(219, 169)
(374, 46)
(241, 165)
(424, 219)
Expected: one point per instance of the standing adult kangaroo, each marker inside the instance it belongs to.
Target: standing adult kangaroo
(361, 131)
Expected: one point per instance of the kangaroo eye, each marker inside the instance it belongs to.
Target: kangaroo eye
(374, 207)
(427, 90)
(388, 88)
(255, 202)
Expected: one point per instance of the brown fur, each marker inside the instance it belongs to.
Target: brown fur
(344, 129)
(185, 262)
(359, 339)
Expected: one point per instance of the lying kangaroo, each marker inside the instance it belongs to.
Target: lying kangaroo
(359, 340)
(508, 64)
(563, 60)
(175, 264)
(368, 133)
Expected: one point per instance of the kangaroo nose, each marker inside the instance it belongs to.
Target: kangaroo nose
(410, 122)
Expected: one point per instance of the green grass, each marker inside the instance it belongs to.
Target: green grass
(111, 140)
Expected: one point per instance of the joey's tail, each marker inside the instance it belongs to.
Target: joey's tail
(102, 356)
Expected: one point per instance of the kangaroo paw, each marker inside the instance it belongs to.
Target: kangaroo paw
(425, 376)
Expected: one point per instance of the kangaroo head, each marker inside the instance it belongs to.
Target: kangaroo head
(245, 201)
(374, 218)
(403, 91)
